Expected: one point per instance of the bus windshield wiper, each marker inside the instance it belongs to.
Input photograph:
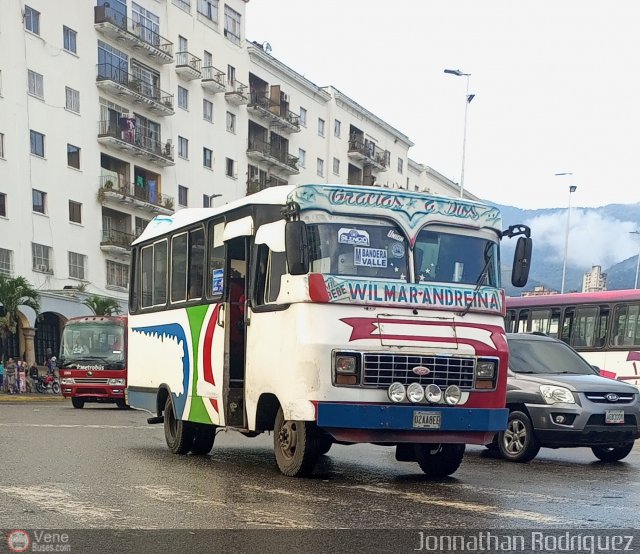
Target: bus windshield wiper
(479, 281)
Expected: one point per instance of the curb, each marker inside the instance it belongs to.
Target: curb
(25, 398)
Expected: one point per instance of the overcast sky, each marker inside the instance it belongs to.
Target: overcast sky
(556, 86)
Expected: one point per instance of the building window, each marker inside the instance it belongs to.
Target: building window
(183, 148)
(184, 5)
(6, 262)
(183, 196)
(117, 274)
(232, 25)
(69, 37)
(72, 100)
(1, 145)
(208, 8)
(183, 98)
(77, 265)
(231, 122)
(230, 168)
(337, 127)
(37, 144)
(207, 157)
(31, 20)
(336, 166)
(320, 167)
(206, 201)
(73, 156)
(41, 258)
(35, 84)
(302, 157)
(303, 117)
(146, 23)
(320, 127)
(3, 204)
(400, 165)
(39, 201)
(207, 110)
(75, 212)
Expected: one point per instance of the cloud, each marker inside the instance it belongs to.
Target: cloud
(593, 239)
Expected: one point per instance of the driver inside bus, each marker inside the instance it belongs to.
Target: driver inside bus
(80, 348)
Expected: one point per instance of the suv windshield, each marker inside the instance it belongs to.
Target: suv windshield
(549, 357)
(101, 343)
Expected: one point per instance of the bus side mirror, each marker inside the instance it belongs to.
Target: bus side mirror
(295, 237)
(521, 262)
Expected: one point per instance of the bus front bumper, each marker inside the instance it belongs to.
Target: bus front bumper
(389, 423)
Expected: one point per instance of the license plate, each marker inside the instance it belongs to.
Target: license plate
(614, 416)
(426, 420)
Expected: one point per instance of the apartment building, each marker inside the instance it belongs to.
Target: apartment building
(117, 111)
(594, 280)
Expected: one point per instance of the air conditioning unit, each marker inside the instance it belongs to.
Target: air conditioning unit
(43, 268)
(284, 97)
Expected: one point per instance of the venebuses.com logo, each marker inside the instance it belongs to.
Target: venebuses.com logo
(18, 541)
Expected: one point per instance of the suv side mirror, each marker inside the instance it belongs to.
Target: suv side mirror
(297, 248)
(521, 262)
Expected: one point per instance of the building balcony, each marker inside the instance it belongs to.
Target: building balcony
(213, 79)
(144, 198)
(236, 93)
(270, 155)
(188, 66)
(278, 115)
(134, 34)
(368, 153)
(125, 85)
(116, 242)
(135, 140)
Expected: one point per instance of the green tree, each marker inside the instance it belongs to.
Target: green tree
(101, 305)
(14, 292)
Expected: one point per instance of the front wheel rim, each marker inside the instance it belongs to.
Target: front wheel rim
(288, 439)
(515, 437)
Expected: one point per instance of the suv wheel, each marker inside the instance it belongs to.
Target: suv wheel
(612, 454)
(518, 442)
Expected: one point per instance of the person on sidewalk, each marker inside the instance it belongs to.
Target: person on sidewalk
(24, 376)
(10, 373)
(1, 376)
(34, 373)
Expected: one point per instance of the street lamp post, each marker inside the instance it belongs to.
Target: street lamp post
(572, 189)
(467, 100)
(638, 263)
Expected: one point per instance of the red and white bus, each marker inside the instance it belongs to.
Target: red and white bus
(603, 326)
(93, 361)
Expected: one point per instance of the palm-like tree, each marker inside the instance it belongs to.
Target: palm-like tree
(101, 305)
(14, 292)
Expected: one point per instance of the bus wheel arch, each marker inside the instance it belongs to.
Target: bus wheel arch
(161, 400)
(266, 411)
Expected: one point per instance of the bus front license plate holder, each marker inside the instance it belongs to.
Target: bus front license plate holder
(426, 420)
(614, 416)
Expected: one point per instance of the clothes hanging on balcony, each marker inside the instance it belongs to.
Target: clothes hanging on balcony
(128, 129)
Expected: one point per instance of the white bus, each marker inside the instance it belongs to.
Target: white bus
(326, 314)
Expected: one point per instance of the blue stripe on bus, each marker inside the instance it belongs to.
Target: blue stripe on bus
(400, 417)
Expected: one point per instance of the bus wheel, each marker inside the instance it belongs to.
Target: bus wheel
(77, 403)
(203, 438)
(296, 445)
(439, 460)
(325, 442)
(613, 454)
(122, 405)
(177, 433)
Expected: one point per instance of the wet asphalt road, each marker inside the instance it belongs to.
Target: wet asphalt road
(104, 468)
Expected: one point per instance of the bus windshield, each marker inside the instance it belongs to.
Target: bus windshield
(456, 258)
(97, 343)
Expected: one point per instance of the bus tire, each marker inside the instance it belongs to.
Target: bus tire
(203, 439)
(122, 405)
(296, 445)
(518, 443)
(612, 454)
(439, 460)
(325, 442)
(77, 403)
(177, 433)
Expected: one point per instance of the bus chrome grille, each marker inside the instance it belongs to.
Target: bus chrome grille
(92, 380)
(380, 370)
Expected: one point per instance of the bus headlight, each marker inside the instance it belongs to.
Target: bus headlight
(397, 392)
(116, 381)
(415, 392)
(345, 364)
(433, 393)
(67, 381)
(452, 395)
(485, 369)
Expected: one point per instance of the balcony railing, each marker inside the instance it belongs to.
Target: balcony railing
(113, 237)
(277, 113)
(236, 92)
(213, 79)
(135, 32)
(138, 137)
(160, 99)
(146, 194)
(188, 65)
(271, 152)
(368, 152)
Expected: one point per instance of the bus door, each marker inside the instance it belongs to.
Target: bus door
(235, 321)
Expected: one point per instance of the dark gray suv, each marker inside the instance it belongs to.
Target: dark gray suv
(557, 400)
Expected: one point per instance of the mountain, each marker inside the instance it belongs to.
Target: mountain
(601, 236)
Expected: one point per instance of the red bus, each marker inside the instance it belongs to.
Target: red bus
(93, 361)
(604, 327)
